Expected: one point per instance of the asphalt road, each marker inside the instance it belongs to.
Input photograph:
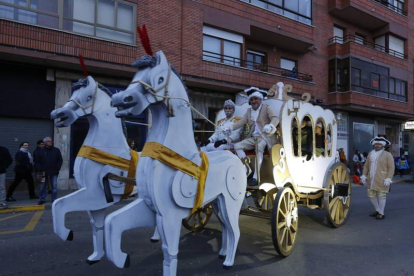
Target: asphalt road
(363, 246)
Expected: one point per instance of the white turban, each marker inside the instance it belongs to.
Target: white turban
(229, 103)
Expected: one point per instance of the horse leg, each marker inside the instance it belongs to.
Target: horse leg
(156, 237)
(216, 210)
(134, 215)
(97, 222)
(64, 205)
(230, 210)
(169, 228)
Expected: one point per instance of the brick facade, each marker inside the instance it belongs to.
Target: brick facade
(176, 27)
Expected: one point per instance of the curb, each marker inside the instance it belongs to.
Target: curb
(19, 209)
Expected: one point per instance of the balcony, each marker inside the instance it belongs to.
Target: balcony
(399, 10)
(257, 67)
(352, 44)
(260, 24)
(306, 7)
(370, 15)
(32, 44)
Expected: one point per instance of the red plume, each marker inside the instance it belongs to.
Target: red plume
(82, 64)
(143, 35)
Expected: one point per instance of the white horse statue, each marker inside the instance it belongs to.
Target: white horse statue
(106, 140)
(166, 193)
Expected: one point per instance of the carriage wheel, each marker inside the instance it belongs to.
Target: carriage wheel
(337, 206)
(265, 200)
(199, 219)
(285, 221)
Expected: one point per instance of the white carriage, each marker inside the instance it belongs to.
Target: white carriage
(291, 175)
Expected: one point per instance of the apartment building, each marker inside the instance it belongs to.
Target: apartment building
(353, 56)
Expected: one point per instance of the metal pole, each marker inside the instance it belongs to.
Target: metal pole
(256, 141)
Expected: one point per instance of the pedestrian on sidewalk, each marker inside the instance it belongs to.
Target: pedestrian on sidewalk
(5, 162)
(39, 175)
(23, 171)
(50, 162)
(378, 172)
(402, 165)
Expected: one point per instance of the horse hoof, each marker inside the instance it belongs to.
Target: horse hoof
(127, 262)
(70, 236)
(222, 257)
(89, 262)
(154, 241)
(226, 267)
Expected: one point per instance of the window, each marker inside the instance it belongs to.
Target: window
(374, 80)
(396, 45)
(114, 20)
(339, 75)
(255, 60)
(356, 76)
(306, 135)
(395, 5)
(287, 64)
(299, 10)
(390, 44)
(221, 46)
(360, 39)
(329, 140)
(380, 43)
(295, 140)
(338, 35)
(321, 140)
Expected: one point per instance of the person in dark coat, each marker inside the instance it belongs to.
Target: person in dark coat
(39, 177)
(50, 162)
(5, 162)
(23, 170)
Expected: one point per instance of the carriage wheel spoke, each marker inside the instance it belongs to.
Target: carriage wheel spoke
(261, 201)
(282, 213)
(334, 207)
(283, 235)
(281, 224)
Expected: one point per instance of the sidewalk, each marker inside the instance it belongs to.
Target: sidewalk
(24, 204)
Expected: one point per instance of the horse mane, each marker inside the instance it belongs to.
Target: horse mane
(84, 83)
(151, 61)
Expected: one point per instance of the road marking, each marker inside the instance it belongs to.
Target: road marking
(29, 227)
(29, 208)
(13, 216)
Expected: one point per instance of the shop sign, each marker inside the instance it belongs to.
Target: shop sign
(409, 125)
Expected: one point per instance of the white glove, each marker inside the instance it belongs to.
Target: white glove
(387, 182)
(227, 131)
(363, 179)
(229, 141)
(269, 129)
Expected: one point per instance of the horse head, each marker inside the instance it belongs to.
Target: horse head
(149, 85)
(84, 101)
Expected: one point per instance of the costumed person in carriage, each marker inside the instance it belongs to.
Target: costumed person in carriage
(378, 172)
(262, 122)
(219, 140)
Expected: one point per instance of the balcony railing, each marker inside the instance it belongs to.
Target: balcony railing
(259, 67)
(360, 41)
(280, 9)
(391, 6)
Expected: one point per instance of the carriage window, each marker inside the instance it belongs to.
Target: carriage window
(329, 140)
(295, 141)
(320, 138)
(306, 138)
